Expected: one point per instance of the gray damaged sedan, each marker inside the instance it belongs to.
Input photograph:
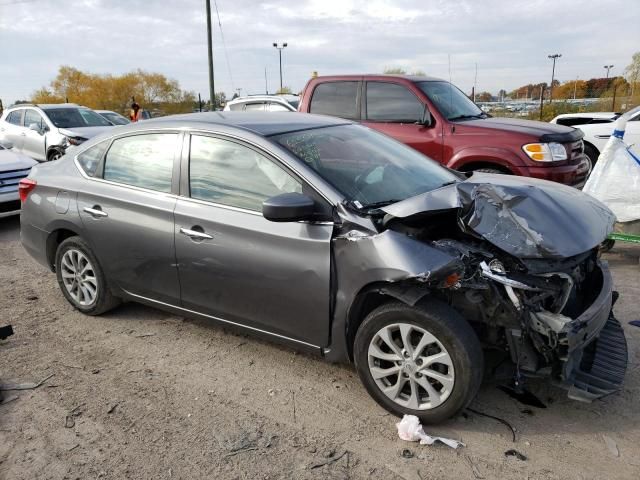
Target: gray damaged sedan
(338, 240)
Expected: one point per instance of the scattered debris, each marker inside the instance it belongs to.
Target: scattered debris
(69, 422)
(474, 468)
(504, 422)
(31, 298)
(144, 335)
(95, 371)
(24, 386)
(635, 323)
(515, 453)
(8, 399)
(6, 331)
(113, 407)
(527, 411)
(293, 399)
(410, 430)
(331, 460)
(406, 453)
(73, 448)
(240, 450)
(523, 395)
(611, 445)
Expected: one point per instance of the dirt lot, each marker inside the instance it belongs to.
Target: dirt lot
(142, 394)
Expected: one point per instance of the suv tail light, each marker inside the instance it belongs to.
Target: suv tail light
(24, 188)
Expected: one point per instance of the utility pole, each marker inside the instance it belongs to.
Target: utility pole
(554, 57)
(266, 86)
(280, 48)
(608, 67)
(212, 90)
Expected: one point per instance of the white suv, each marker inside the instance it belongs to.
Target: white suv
(43, 132)
(264, 103)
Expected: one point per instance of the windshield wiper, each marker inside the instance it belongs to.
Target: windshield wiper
(467, 117)
(376, 205)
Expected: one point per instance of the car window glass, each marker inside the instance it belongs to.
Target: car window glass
(254, 107)
(90, 158)
(142, 160)
(392, 103)
(225, 172)
(335, 98)
(71, 117)
(15, 117)
(236, 107)
(31, 116)
(278, 107)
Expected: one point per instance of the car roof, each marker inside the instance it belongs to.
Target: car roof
(381, 76)
(258, 98)
(588, 114)
(262, 123)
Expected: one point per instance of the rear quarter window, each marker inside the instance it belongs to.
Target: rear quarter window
(91, 157)
(338, 99)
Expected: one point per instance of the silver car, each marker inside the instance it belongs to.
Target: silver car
(338, 240)
(263, 103)
(43, 132)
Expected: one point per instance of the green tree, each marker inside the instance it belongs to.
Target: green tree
(484, 97)
(284, 89)
(394, 71)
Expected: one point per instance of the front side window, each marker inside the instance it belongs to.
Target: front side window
(144, 161)
(338, 99)
(31, 116)
(90, 158)
(388, 102)
(368, 168)
(231, 174)
(70, 117)
(450, 101)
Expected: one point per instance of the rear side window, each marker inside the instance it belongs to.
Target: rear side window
(142, 160)
(231, 174)
(236, 107)
(90, 158)
(15, 117)
(388, 102)
(335, 98)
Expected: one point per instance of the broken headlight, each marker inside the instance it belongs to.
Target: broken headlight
(545, 152)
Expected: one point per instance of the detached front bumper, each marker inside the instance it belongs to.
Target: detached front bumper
(593, 348)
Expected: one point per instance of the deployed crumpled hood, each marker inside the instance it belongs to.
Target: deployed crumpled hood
(525, 217)
(85, 132)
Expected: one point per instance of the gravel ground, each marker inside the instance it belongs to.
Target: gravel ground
(142, 394)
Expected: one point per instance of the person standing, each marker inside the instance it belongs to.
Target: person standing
(136, 112)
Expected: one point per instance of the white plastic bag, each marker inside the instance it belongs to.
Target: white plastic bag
(615, 179)
(410, 430)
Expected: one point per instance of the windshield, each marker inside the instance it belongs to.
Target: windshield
(368, 168)
(115, 118)
(75, 117)
(450, 101)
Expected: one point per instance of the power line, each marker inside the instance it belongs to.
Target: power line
(224, 45)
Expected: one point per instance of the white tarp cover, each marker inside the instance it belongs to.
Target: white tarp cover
(615, 179)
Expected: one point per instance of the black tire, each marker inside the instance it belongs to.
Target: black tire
(607, 245)
(54, 155)
(104, 299)
(451, 330)
(592, 154)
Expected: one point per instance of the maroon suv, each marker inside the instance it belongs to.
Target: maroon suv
(437, 119)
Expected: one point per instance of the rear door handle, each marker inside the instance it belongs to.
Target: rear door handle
(95, 212)
(196, 235)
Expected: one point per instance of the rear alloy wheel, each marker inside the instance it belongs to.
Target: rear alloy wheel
(81, 279)
(54, 155)
(422, 360)
(592, 154)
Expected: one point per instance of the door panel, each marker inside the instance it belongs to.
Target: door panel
(34, 142)
(272, 276)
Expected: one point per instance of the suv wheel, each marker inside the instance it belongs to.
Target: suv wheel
(54, 155)
(423, 360)
(592, 154)
(81, 278)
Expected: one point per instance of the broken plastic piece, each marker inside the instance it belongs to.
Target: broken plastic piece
(410, 430)
(515, 453)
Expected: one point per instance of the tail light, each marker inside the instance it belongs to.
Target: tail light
(24, 188)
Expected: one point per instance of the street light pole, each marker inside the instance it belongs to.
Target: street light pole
(280, 48)
(608, 67)
(212, 94)
(555, 56)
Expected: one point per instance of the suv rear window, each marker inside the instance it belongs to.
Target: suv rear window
(336, 98)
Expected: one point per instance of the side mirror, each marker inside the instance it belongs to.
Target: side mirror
(426, 119)
(288, 207)
(36, 128)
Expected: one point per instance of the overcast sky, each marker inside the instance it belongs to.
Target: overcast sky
(509, 40)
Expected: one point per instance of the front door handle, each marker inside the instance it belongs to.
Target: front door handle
(95, 212)
(195, 234)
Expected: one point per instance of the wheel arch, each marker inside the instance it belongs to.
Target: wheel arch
(55, 238)
(53, 149)
(374, 295)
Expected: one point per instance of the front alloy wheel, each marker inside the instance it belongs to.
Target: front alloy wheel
(411, 366)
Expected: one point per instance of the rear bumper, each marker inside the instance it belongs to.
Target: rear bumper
(34, 241)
